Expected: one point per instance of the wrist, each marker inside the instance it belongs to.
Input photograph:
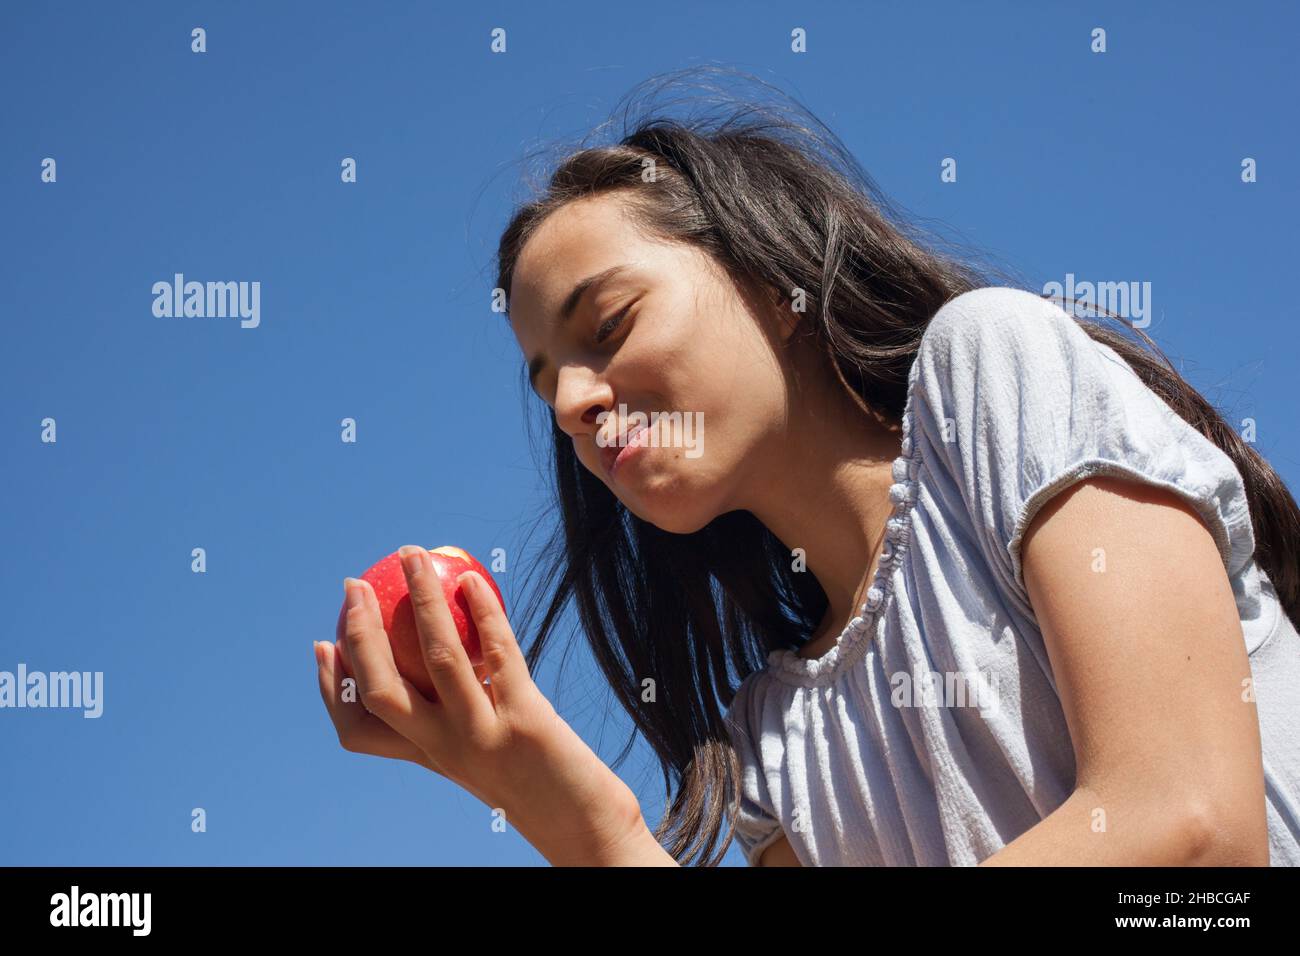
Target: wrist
(613, 833)
(639, 849)
(633, 845)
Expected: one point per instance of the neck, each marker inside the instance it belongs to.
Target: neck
(823, 486)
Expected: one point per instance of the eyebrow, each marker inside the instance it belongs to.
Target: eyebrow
(570, 304)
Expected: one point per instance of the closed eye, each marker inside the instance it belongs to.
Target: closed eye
(607, 328)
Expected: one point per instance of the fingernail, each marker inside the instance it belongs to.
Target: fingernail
(411, 559)
(469, 581)
(353, 588)
(315, 651)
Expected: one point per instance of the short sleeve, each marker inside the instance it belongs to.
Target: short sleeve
(757, 825)
(1018, 402)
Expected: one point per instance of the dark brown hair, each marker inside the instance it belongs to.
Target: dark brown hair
(778, 202)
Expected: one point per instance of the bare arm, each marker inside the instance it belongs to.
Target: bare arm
(638, 847)
(1146, 647)
(779, 853)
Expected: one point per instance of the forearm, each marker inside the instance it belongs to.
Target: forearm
(608, 830)
(638, 847)
(641, 849)
(1087, 830)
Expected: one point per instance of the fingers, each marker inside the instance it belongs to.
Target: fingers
(444, 655)
(502, 657)
(383, 691)
(480, 670)
(358, 731)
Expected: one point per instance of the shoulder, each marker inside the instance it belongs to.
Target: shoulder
(1007, 381)
(757, 812)
(997, 324)
(743, 700)
(1015, 401)
(753, 715)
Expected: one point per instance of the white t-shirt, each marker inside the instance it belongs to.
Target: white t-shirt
(838, 757)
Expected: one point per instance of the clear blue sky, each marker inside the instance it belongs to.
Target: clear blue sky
(178, 433)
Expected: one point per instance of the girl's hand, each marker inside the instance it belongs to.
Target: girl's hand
(502, 741)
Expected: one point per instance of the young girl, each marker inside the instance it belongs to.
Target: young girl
(1000, 586)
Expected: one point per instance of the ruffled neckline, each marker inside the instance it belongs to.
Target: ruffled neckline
(853, 641)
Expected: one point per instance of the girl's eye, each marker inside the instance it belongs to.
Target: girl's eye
(607, 328)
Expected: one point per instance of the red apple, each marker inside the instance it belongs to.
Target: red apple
(389, 583)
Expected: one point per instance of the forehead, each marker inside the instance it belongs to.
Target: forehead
(579, 239)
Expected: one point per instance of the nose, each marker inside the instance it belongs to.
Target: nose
(579, 398)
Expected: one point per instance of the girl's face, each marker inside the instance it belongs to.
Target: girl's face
(662, 330)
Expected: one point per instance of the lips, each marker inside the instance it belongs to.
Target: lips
(610, 453)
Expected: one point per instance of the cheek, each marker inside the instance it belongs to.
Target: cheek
(699, 372)
(716, 363)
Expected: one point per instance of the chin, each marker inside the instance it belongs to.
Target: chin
(671, 505)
